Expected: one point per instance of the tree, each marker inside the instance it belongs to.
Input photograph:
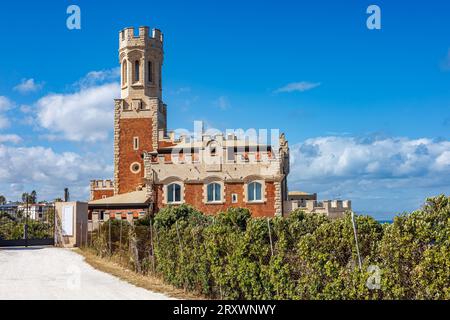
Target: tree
(29, 197)
(33, 197)
(2, 200)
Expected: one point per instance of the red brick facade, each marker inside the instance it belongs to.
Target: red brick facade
(100, 194)
(194, 196)
(129, 129)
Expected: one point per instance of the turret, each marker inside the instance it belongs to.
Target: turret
(141, 58)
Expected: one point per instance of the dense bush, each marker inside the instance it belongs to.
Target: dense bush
(304, 256)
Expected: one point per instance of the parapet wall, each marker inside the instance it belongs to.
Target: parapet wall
(127, 38)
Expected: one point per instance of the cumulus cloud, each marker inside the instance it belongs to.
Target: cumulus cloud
(86, 115)
(369, 169)
(5, 105)
(28, 85)
(49, 172)
(298, 87)
(13, 138)
(94, 78)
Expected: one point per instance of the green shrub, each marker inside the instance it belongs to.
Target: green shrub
(304, 256)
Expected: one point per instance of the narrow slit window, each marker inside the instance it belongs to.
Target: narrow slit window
(150, 72)
(136, 143)
(136, 70)
(124, 72)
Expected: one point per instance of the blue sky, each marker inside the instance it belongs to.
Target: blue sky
(371, 123)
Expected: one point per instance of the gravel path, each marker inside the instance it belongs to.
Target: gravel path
(53, 273)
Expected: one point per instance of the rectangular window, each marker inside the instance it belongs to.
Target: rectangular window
(136, 143)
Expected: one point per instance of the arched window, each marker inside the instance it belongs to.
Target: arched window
(136, 70)
(150, 72)
(254, 191)
(124, 72)
(214, 191)
(173, 193)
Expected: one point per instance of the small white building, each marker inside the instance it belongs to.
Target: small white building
(36, 211)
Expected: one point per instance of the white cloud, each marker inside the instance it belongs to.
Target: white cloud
(86, 115)
(4, 122)
(28, 85)
(298, 86)
(13, 138)
(94, 78)
(401, 171)
(5, 103)
(222, 102)
(48, 172)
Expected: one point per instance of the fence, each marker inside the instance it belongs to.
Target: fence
(18, 228)
(304, 256)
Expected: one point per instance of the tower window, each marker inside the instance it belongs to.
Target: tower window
(136, 143)
(136, 70)
(124, 72)
(150, 71)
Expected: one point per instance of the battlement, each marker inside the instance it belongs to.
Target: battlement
(330, 208)
(129, 38)
(102, 184)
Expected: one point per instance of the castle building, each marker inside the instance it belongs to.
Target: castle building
(154, 168)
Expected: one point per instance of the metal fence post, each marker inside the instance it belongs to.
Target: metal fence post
(356, 240)
(270, 236)
(81, 234)
(151, 246)
(109, 231)
(181, 253)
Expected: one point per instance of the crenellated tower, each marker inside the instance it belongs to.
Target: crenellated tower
(140, 114)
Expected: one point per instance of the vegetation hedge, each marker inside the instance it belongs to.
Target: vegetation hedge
(304, 256)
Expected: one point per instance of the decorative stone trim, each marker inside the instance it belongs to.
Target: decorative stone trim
(133, 167)
(117, 109)
(278, 200)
